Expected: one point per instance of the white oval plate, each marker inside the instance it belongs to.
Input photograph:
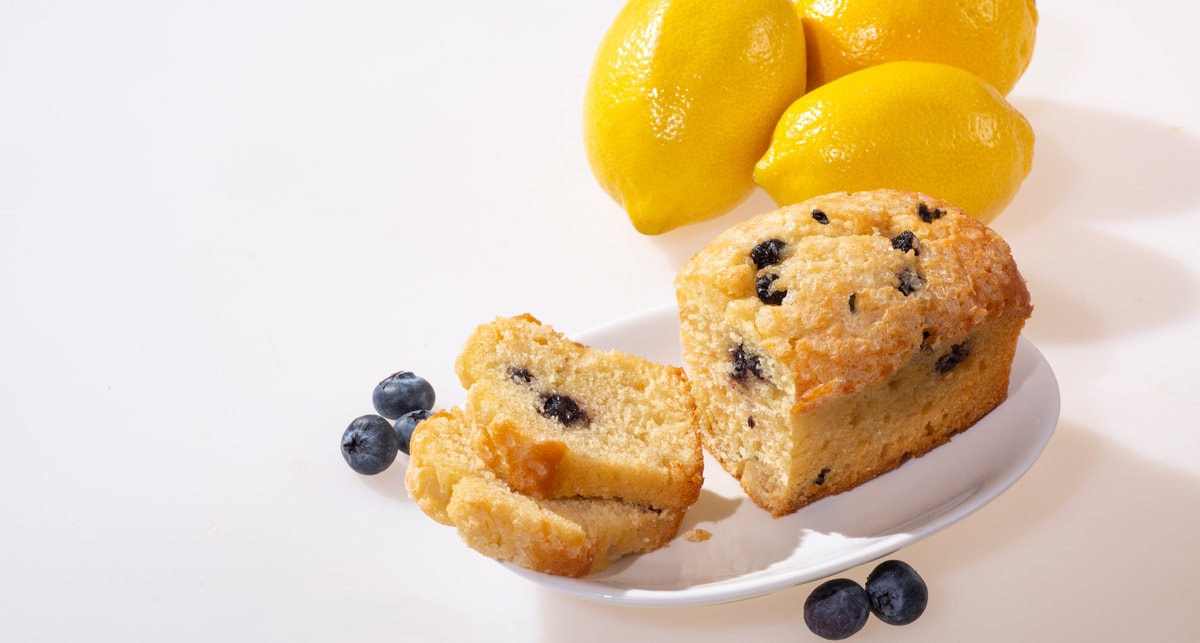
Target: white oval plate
(751, 554)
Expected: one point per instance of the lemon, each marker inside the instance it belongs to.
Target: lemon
(918, 126)
(681, 102)
(991, 38)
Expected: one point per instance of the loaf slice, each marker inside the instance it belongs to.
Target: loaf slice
(558, 419)
(830, 341)
(566, 537)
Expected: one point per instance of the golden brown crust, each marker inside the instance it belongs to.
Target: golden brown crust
(860, 294)
(853, 254)
(529, 467)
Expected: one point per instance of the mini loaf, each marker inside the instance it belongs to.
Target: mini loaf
(563, 458)
(558, 419)
(830, 341)
(566, 537)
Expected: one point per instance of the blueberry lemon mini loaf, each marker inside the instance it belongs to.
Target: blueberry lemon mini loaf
(565, 537)
(563, 458)
(830, 341)
(559, 419)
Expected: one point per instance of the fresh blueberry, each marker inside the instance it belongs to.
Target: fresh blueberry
(405, 425)
(401, 393)
(369, 445)
(836, 609)
(898, 595)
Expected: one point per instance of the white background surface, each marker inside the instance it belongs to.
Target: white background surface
(222, 222)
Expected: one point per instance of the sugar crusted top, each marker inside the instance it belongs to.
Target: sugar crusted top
(844, 289)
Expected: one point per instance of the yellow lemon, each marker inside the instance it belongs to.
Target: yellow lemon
(916, 126)
(681, 102)
(991, 38)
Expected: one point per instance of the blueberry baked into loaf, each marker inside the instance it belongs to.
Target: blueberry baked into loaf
(563, 458)
(830, 341)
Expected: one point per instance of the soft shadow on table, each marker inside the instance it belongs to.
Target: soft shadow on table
(1096, 175)
(391, 482)
(1101, 539)
(1093, 165)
